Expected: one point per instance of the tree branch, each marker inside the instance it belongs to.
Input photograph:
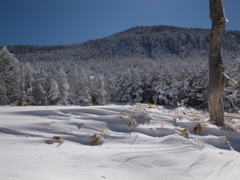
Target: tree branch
(229, 80)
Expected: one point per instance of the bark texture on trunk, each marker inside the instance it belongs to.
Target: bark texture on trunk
(217, 78)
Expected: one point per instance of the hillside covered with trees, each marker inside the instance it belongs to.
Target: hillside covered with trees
(158, 64)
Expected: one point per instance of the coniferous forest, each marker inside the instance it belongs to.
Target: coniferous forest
(158, 64)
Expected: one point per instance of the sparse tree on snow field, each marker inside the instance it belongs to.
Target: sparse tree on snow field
(217, 77)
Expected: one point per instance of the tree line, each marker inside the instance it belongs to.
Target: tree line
(167, 83)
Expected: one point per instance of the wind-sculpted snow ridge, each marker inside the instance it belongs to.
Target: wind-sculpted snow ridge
(141, 141)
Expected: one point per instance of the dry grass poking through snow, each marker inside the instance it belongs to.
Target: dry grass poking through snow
(78, 125)
(187, 122)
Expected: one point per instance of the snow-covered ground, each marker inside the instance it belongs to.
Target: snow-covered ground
(116, 142)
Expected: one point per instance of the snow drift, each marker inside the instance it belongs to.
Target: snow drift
(141, 141)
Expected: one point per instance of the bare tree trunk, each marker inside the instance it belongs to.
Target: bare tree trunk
(217, 77)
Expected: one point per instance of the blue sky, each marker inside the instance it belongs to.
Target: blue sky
(54, 22)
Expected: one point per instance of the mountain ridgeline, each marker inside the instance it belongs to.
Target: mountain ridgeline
(143, 41)
(156, 64)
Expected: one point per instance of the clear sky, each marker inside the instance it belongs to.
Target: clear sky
(54, 22)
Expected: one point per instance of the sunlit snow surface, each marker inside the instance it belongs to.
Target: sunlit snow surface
(116, 142)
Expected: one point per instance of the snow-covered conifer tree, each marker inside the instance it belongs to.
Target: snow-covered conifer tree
(124, 87)
(137, 91)
(165, 90)
(9, 73)
(3, 93)
(97, 90)
(79, 87)
(27, 82)
(54, 95)
(63, 86)
(39, 86)
(195, 89)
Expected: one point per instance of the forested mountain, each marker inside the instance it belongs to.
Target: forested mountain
(157, 64)
(145, 41)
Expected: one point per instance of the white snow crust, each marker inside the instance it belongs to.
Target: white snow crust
(116, 142)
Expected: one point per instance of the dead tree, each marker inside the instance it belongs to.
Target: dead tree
(217, 77)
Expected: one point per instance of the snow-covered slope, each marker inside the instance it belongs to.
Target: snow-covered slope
(137, 42)
(141, 141)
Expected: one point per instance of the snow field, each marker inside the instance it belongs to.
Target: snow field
(141, 141)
